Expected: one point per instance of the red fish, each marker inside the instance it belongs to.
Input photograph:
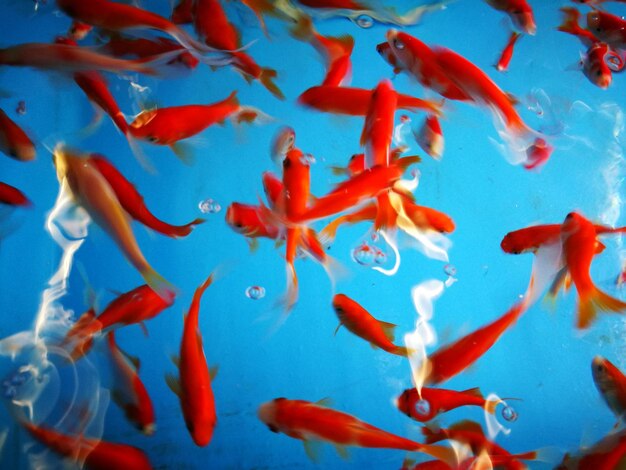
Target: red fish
(130, 392)
(571, 25)
(360, 322)
(355, 101)
(611, 383)
(133, 202)
(78, 30)
(608, 28)
(441, 401)
(12, 196)
(166, 126)
(430, 137)
(454, 358)
(309, 421)
(13, 140)
(193, 386)
(607, 454)
(135, 306)
(519, 11)
(148, 49)
(212, 25)
(529, 239)
(578, 236)
(378, 129)
(248, 221)
(507, 53)
(95, 453)
(334, 4)
(182, 13)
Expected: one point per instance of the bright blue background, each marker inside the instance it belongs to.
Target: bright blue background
(543, 360)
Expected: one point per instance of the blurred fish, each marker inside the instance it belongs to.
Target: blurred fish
(360, 322)
(315, 422)
(193, 386)
(12, 196)
(607, 454)
(611, 383)
(608, 28)
(571, 25)
(519, 11)
(283, 141)
(13, 140)
(148, 49)
(430, 137)
(378, 128)
(507, 53)
(182, 12)
(79, 30)
(129, 392)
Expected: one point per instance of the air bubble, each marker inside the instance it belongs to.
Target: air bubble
(255, 292)
(364, 255)
(365, 21)
(375, 237)
(422, 407)
(449, 269)
(209, 206)
(509, 414)
(380, 257)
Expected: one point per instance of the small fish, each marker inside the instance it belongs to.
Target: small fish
(529, 239)
(611, 383)
(608, 28)
(92, 192)
(79, 30)
(538, 154)
(356, 101)
(571, 25)
(607, 454)
(441, 401)
(130, 392)
(13, 140)
(578, 236)
(133, 202)
(283, 142)
(595, 67)
(12, 196)
(378, 128)
(430, 137)
(315, 422)
(519, 11)
(193, 386)
(507, 53)
(454, 358)
(95, 454)
(360, 322)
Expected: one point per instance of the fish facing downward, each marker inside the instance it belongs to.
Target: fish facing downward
(611, 383)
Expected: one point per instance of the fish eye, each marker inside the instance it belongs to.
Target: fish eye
(151, 138)
(286, 163)
(398, 44)
(600, 368)
(272, 428)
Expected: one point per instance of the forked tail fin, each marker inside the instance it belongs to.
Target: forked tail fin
(594, 301)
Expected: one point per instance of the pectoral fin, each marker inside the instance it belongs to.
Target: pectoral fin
(174, 384)
(312, 449)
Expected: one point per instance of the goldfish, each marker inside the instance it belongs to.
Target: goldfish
(143, 48)
(64, 57)
(133, 307)
(520, 13)
(571, 25)
(12, 196)
(430, 137)
(78, 30)
(130, 393)
(378, 128)
(13, 140)
(607, 454)
(355, 101)
(308, 421)
(283, 142)
(529, 239)
(167, 126)
(360, 322)
(578, 236)
(470, 433)
(454, 358)
(118, 17)
(611, 383)
(212, 25)
(262, 7)
(89, 189)
(507, 53)
(248, 221)
(133, 202)
(95, 453)
(440, 401)
(193, 386)
(537, 154)
(608, 28)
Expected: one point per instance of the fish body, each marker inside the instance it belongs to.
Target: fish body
(430, 137)
(611, 383)
(12, 196)
(609, 28)
(520, 13)
(507, 53)
(13, 140)
(378, 129)
(440, 401)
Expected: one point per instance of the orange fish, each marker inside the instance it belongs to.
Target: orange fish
(611, 383)
(519, 11)
(213, 27)
(133, 202)
(360, 322)
(12, 196)
(89, 189)
(95, 453)
(193, 386)
(430, 137)
(454, 358)
(529, 239)
(130, 393)
(166, 126)
(441, 401)
(607, 454)
(378, 129)
(356, 101)
(13, 140)
(608, 28)
(507, 53)
(571, 25)
(248, 220)
(314, 422)
(578, 236)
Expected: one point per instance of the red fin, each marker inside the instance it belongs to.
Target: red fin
(596, 300)
(474, 392)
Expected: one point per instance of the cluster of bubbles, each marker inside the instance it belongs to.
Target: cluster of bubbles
(209, 206)
(255, 292)
(368, 255)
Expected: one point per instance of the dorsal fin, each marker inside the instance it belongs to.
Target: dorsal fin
(474, 392)
(325, 402)
(174, 384)
(388, 330)
(469, 426)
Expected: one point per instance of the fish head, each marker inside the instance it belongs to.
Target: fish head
(605, 375)
(408, 51)
(283, 142)
(523, 19)
(267, 414)
(241, 217)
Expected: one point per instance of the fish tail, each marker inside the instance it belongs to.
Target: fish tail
(159, 284)
(135, 148)
(328, 233)
(401, 351)
(594, 301)
(570, 21)
(432, 436)
(184, 230)
(386, 215)
(445, 454)
(303, 29)
(267, 80)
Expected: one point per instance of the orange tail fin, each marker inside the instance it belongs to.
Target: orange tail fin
(594, 301)
(267, 79)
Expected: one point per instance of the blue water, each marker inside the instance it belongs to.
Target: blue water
(543, 360)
